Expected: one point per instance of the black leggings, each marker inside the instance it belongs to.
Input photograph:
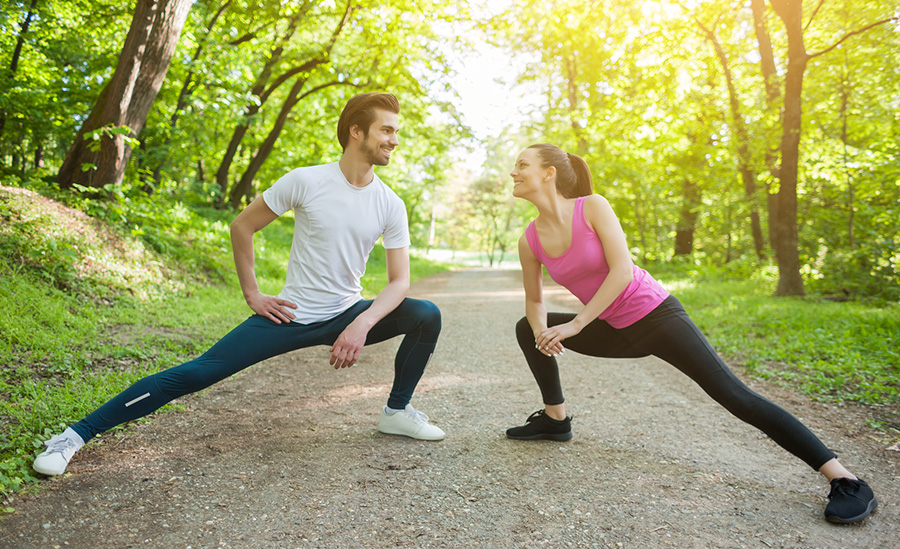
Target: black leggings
(669, 333)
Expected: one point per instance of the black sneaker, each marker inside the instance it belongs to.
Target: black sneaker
(541, 426)
(851, 501)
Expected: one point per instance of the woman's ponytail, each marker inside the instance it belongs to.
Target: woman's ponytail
(573, 177)
(584, 185)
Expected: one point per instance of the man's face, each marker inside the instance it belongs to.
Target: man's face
(381, 139)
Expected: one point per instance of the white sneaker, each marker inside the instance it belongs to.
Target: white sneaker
(60, 449)
(411, 423)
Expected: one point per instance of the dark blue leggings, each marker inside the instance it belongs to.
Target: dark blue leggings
(257, 339)
(669, 333)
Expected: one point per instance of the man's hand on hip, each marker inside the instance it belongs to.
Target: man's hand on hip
(271, 307)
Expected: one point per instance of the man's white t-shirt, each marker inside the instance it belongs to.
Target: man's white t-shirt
(336, 225)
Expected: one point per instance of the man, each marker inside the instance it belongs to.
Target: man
(341, 209)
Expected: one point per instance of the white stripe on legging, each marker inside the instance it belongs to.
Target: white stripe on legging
(138, 399)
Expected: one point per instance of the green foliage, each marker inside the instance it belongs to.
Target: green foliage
(639, 90)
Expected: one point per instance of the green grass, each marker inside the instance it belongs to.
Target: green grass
(74, 336)
(832, 351)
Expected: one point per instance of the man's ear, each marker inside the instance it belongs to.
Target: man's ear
(355, 132)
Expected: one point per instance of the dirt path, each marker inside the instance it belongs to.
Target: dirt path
(286, 455)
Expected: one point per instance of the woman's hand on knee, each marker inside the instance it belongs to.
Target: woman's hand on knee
(550, 340)
(549, 346)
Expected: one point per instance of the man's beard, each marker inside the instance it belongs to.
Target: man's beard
(372, 154)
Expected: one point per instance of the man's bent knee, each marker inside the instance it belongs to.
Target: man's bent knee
(428, 314)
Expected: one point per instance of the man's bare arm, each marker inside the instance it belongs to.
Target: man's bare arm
(254, 218)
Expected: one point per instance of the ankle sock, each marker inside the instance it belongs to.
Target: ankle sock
(70, 433)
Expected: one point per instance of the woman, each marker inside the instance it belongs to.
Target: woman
(627, 314)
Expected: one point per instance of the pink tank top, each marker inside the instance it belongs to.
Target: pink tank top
(583, 268)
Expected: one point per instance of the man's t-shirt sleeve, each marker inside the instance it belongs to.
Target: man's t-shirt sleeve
(285, 194)
(396, 233)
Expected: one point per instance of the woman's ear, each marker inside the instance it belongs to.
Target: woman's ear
(550, 173)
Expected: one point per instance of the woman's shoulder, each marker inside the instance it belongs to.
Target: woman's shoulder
(596, 203)
(525, 251)
(527, 235)
(528, 228)
(595, 199)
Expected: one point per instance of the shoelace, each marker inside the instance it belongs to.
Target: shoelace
(418, 416)
(540, 413)
(845, 486)
(534, 416)
(59, 444)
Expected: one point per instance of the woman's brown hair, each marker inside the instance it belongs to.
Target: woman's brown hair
(573, 177)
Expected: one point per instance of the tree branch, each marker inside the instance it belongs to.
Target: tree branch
(852, 33)
(813, 16)
(305, 67)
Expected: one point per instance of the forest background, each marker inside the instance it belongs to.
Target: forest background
(749, 148)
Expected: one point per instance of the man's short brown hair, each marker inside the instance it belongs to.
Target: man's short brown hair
(360, 111)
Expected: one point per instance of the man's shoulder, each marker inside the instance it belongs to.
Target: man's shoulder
(386, 190)
(306, 177)
(315, 172)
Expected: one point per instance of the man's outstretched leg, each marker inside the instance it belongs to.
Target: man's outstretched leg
(254, 340)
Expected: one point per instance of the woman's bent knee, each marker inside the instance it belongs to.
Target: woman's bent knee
(523, 331)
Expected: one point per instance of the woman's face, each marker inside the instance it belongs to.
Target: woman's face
(528, 174)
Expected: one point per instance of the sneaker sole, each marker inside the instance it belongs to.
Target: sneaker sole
(561, 437)
(47, 471)
(840, 520)
(386, 432)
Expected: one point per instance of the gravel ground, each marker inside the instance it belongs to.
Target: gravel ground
(286, 455)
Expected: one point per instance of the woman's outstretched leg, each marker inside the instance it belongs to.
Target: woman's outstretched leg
(672, 336)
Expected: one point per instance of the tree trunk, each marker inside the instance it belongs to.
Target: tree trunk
(786, 229)
(17, 53)
(201, 172)
(243, 186)
(11, 73)
(744, 155)
(39, 155)
(845, 100)
(581, 144)
(771, 80)
(127, 99)
(684, 232)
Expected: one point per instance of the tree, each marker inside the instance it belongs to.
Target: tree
(785, 221)
(741, 139)
(296, 94)
(17, 52)
(100, 152)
